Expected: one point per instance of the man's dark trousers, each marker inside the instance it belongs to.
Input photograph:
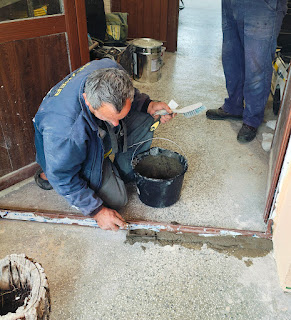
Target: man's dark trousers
(250, 31)
(139, 139)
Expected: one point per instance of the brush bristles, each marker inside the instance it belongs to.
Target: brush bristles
(194, 112)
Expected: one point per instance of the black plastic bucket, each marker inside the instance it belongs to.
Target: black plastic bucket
(159, 175)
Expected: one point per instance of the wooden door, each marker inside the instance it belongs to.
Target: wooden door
(157, 19)
(35, 54)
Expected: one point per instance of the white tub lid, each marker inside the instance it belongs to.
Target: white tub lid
(146, 43)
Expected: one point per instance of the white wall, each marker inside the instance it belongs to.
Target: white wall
(282, 223)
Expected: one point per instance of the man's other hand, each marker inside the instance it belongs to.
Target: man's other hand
(109, 219)
(154, 106)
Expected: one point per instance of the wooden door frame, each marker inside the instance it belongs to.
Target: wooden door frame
(172, 25)
(279, 146)
(72, 21)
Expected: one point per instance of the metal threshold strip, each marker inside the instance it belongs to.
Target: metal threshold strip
(73, 219)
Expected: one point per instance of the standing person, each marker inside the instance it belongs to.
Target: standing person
(250, 30)
(92, 112)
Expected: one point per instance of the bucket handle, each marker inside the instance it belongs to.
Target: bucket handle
(142, 142)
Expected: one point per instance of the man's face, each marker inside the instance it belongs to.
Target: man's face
(108, 113)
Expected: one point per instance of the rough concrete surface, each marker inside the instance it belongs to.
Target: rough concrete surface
(93, 274)
(238, 246)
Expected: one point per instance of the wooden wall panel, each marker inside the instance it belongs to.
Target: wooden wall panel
(172, 26)
(115, 5)
(145, 18)
(136, 18)
(5, 165)
(141, 22)
(28, 69)
(148, 20)
(164, 17)
(157, 19)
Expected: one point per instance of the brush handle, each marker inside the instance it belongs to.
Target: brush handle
(162, 112)
(182, 110)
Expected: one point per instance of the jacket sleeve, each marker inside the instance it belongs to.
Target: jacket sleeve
(63, 165)
(141, 101)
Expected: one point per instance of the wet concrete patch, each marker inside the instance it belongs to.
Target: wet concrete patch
(237, 246)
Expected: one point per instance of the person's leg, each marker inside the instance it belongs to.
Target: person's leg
(112, 191)
(233, 63)
(233, 56)
(138, 130)
(262, 24)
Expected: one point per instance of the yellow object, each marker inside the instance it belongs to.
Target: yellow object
(275, 65)
(154, 126)
(114, 31)
(107, 153)
(42, 11)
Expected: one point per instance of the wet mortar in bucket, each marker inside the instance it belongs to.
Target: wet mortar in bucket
(159, 176)
(159, 167)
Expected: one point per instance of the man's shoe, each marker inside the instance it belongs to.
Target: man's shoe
(220, 114)
(42, 183)
(246, 133)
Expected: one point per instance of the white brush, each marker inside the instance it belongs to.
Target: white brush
(188, 111)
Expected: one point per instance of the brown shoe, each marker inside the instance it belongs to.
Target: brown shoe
(220, 114)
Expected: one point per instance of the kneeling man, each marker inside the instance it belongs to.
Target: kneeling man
(91, 113)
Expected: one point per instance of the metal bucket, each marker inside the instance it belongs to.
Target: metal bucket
(147, 59)
(159, 175)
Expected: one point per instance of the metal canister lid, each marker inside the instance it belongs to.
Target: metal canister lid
(147, 43)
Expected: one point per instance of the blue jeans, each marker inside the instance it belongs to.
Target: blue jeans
(250, 30)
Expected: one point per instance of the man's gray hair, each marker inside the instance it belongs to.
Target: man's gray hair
(109, 85)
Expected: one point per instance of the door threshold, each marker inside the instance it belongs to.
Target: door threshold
(80, 220)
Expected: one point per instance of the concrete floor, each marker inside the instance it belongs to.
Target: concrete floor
(225, 185)
(94, 274)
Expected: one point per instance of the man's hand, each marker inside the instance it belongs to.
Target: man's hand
(109, 219)
(154, 106)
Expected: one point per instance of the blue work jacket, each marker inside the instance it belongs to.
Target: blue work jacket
(68, 145)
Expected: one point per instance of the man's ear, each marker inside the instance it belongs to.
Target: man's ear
(85, 98)
(87, 102)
